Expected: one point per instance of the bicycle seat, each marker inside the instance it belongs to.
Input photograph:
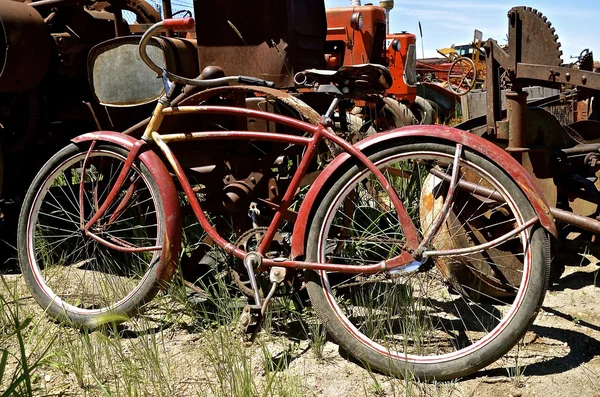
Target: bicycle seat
(367, 77)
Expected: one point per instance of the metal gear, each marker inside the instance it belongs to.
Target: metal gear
(243, 242)
(533, 34)
(586, 60)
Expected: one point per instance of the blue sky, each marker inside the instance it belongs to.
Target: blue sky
(447, 22)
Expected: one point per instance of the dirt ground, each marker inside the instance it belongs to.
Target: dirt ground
(559, 356)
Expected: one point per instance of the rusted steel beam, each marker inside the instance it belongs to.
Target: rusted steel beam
(558, 74)
(470, 186)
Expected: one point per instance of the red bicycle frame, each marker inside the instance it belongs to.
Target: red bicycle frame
(317, 132)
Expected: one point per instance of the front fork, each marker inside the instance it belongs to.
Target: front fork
(117, 244)
(87, 227)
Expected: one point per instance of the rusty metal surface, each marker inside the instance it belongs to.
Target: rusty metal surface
(195, 204)
(516, 106)
(583, 222)
(235, 111)
(532, 57)
(564, 75)
(242, 38)
(531, 38)
(145, 13)
(24, 47)
(587, 129)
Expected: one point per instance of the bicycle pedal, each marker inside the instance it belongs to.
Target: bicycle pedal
(250, 319)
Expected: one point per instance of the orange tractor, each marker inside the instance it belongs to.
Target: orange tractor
(359, 34)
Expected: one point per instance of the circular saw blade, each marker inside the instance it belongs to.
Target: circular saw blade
(535, 37)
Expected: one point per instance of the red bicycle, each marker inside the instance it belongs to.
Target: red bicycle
(376, 235)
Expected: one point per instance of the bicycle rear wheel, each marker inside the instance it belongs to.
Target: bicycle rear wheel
(427, 322)
(75, 278)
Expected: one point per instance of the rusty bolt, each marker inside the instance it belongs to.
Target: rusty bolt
(568, 76)
(584, 79)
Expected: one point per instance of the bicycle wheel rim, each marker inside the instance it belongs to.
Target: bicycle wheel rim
(130, 285)
(367, 341)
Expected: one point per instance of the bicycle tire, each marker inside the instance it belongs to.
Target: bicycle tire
(74, 278)
(423, 323)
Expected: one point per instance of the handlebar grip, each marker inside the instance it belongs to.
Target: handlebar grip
(179, 24)
(254, 81)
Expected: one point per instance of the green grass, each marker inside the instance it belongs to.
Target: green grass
(25, 345)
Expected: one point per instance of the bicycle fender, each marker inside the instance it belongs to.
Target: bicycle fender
(167, 190)
(429, 132)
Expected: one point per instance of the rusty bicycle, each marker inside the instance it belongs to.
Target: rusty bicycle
(375, 235)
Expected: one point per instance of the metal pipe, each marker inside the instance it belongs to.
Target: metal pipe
(355, 3)
(44, 3)
(582, 149)
(582, 222)
(387, 5)
(118, 22)
(516, 105)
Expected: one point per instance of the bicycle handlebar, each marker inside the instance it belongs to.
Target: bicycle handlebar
(183, 24)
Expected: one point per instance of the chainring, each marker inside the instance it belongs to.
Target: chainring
(249, 241)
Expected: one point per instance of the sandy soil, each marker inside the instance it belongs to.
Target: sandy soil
(559, 356)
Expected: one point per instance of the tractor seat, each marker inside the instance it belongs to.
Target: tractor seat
(367, 78)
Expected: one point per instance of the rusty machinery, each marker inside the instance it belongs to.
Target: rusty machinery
(560, 149)
(359, 34)
(45, 98)
(44, 94)
(464, 67)
(41, 112)
(561, 157)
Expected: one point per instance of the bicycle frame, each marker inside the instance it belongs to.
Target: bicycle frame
(318, 132)
(74, 214)
(413, 250)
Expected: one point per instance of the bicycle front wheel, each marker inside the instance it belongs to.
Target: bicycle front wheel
(427, 322)
(78, 279)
